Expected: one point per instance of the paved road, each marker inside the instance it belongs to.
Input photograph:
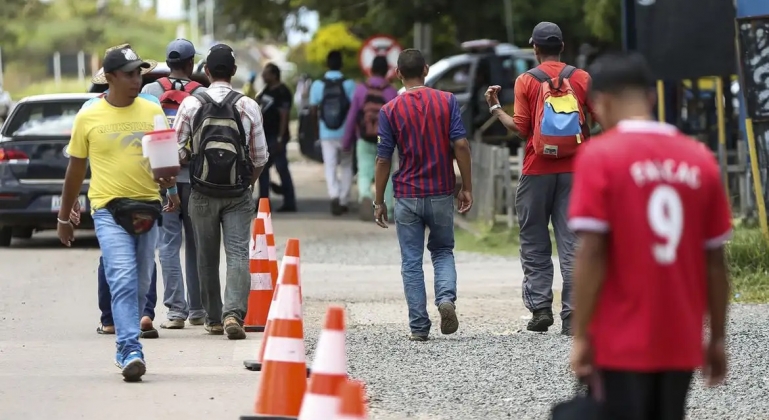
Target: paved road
(54, 365)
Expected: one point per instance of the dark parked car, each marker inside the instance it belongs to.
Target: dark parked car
(33, 162)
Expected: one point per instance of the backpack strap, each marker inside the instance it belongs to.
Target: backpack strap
(538, 74)
(192, 86)
(165, 83)
(567, 72)
(204, 98)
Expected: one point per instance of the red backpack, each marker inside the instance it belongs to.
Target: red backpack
(368, 116)
(172, 97)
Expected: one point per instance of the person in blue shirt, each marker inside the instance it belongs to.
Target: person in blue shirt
(330, 100)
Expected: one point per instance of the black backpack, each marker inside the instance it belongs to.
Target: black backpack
(335, 103)
(220, 165)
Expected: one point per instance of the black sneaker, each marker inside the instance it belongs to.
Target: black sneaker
(449, 321)
(286, 209)
(566, 327)
(336, 209)
(541, 320)
(418, 337)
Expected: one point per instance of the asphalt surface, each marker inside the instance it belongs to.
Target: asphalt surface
(54, 365)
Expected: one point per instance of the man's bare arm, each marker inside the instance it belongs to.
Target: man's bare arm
(718, 292)
(464, 162)
(73, 180)
(589, 275)
(381, 176)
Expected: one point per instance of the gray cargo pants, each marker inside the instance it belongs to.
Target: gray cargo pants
(211, 219)
(539, 200)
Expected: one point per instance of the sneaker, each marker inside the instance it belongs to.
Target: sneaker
(286, 209)
(197, 321)
(566, 327)
(336, 209)
(449, 321)
(541, 320)
(215, 329)
(173, 324)
(233, 329)
(344, 208)
(133, 367)
(418, 337)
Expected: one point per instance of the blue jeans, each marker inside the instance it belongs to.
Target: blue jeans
(128, 265)
(180, 306)
(412, 216)
(105, 297)
(280, 160)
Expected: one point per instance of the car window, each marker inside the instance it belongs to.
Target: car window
(44, 118)
(518, 65)
(455, 80)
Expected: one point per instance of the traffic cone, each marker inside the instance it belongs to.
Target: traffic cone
(288, 259)
(265, 213)
(283, 381)
(329, 369)
(352, 405)
(260, 297)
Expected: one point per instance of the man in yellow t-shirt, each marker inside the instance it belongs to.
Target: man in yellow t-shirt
(125, 199)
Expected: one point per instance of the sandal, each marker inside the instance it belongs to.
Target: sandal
(153, 333)
(105, 329)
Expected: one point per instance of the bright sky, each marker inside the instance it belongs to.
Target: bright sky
(172, 9)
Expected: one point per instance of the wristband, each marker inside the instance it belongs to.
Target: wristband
(494, 107)
(63, 222)
(173, 190)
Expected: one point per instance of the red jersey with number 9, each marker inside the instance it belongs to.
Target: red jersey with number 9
(658, 195)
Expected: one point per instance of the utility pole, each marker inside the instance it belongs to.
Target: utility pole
(194, 21)
(508, 11)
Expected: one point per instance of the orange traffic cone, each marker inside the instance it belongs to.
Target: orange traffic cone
(283, 381)
(266, 214)
(260, 297)
(329, 369)
(352, 405)
(288, 259)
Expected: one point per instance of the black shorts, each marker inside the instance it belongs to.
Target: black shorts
(645, 396)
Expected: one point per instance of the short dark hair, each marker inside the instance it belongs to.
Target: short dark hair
(411, 63)
(617, 72)
(380, 66)
(273, 69)
(180, 65)
(220, 73)
(550, 50)
(334, 60)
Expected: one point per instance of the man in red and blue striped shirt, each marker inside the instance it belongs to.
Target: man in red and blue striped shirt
(426, 126)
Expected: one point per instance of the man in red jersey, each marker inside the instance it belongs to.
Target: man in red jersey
(652, 219)
(544, 186)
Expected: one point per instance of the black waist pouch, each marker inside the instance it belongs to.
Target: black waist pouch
(136, 217)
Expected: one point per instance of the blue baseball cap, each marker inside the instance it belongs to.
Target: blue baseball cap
(179, 50)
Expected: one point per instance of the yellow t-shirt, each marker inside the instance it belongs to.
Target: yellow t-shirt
(111, 138)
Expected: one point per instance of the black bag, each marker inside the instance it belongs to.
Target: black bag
(220, 165)
(136, 217)
(585, 405)
(335, 103)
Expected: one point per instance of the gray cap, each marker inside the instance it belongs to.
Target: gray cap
(179, 50)
(546, 33)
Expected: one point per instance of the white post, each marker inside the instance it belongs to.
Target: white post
(210, 18)
(1, 67)
(194, 22)
(57, 68)
(81, 67)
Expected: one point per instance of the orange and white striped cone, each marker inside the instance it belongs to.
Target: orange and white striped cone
(352, 405)
(265, 213)
(260, 297)
(329, 369)
(283, 383)
(288, 259)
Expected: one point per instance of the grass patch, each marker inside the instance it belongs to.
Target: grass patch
(494, 240)
(748, 257)
(50, 86)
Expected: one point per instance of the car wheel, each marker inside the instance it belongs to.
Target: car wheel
(23, 233)
(6, 234)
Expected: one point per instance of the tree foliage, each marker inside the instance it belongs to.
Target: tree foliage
(331, 37)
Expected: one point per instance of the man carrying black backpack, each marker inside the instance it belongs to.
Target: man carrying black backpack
(220, 134)
(330, 99)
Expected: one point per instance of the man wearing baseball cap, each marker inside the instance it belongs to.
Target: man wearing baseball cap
(221, 204)
(545, 184)
(171, 92)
